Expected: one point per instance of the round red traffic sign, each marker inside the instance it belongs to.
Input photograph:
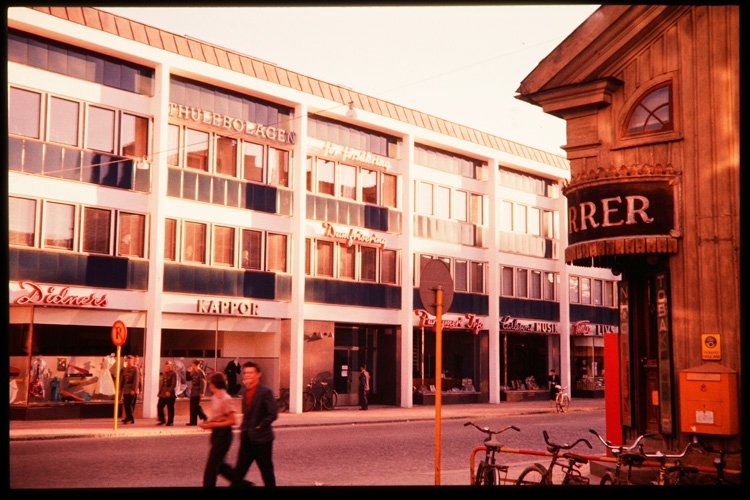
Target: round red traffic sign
(119, 333)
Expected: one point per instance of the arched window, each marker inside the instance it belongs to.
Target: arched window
(653, 113)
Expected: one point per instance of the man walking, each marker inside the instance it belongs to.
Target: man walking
(364, 387)
(198, 378)
(129, 383)
(167, 384)
(256, 434)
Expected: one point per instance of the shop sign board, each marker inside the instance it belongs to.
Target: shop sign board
(119, 333)
(621, 209)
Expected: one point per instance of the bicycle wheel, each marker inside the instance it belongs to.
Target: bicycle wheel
(491, 477)
(328, 401)
(566, 402)
(308, 401)
(608, 479)
(533, 475)
(479, 478)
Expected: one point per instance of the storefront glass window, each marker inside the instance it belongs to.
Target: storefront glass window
(21, 221)
(24, 109)
(59, 226)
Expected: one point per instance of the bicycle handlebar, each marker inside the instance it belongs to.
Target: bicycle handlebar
(563, 446)
(711, 449)
(620, 448)
(490, 433)
(661, 457)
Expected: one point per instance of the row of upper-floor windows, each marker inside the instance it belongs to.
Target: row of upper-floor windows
(203, 96)
(228, 156)
(350, 182)
(340, 260)
(70, 122)
(528, 183)
(527, 283)
(468, 276)
(344, 134)
(592, 291)
(450, 162)
(65, 59)
(193, 242)
(450, 203)
(524, 219)
(55, 225)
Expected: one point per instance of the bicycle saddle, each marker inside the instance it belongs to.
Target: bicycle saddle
(493, 443)
(576, 458)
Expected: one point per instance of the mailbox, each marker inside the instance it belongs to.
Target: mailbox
(708, 400)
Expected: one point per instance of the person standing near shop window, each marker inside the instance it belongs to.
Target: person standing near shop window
(129, 383)
(554, 382)
(364, 387)
(167, 385)
(198, 378)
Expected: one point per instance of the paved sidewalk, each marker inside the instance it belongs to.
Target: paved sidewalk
(104, 427)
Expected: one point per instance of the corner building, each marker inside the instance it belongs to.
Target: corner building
(651, 99)
(225, 209)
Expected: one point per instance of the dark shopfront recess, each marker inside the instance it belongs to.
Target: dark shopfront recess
(64, 347)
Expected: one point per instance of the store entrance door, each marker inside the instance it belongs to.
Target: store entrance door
(346, 361)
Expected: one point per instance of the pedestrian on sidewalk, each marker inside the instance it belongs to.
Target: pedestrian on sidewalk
(197, 376)
(554, 383)
(129, 383)
(364, 387)
(221, 421)
(256, 433)
(167, 385)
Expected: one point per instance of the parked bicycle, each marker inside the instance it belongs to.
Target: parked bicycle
(489, 472)
(319, 394)
(720, 464)
(282, 403)
(562, 400)
(627, 456)
(570, 464)
(674, 473)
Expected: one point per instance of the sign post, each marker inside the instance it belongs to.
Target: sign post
(119, 335)
(436, 284)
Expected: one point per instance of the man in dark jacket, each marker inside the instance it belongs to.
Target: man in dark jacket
(256, 434)
(167, 384)
(198, 378)
(129, 383)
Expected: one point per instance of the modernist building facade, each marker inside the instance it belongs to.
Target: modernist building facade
(651, 98)
(223, 208)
